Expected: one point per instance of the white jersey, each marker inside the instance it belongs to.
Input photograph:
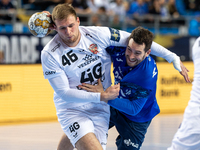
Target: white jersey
(84, 63)
(195, 93)
(188, 135)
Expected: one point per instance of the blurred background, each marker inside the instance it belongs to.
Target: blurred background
(27, 113)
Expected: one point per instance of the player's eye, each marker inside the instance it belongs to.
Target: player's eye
(62, 28)
(137, 53)
(128, 48)
(71, 25)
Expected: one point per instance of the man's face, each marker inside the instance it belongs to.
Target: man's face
(68, 30)
(135, 53)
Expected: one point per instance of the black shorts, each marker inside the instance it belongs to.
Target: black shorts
(131, 134)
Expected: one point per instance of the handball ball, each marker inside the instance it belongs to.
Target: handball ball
(39, 24)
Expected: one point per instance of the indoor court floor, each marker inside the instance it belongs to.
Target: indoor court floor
(45, 136)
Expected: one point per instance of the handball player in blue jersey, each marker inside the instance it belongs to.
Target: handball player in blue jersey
(136, 105)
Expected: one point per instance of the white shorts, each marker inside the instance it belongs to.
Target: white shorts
(91, 117)
(188, 135)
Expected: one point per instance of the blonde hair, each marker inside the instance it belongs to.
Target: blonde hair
(62, 11)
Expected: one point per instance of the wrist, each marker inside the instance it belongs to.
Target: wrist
(104, 97)
(176, 63)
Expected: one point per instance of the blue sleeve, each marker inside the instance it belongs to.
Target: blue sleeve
(127, 106)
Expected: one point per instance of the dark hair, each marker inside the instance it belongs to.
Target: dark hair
(62, 11)
(141, 35)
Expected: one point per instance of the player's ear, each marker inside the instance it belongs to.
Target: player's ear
(52, 27)
(78, 20)
(148, 52)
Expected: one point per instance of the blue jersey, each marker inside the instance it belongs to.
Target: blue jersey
(137, 98)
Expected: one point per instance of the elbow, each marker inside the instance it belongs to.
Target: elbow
(62, 93)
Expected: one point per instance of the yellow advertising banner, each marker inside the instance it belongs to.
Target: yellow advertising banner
(26, 96)
(173, 93)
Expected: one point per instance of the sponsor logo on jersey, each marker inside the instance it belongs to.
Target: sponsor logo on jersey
(93, 48)
(88, 59)
(115, 36)
(49, 72)
(57, 46)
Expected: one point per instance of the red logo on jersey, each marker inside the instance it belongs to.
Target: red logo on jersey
(93, 48)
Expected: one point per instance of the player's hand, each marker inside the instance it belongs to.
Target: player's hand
(110, 93)
(184, 72)
(53, 26)
(178, 65)
(92, 88)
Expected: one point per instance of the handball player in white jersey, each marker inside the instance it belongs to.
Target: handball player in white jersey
(77, 55)
(188, 135)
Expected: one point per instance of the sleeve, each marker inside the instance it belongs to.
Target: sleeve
(111, 37)
(160, 51)
(60, 85)
(129, 107)
(132, 104)
(59, 82)
(50, 66)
